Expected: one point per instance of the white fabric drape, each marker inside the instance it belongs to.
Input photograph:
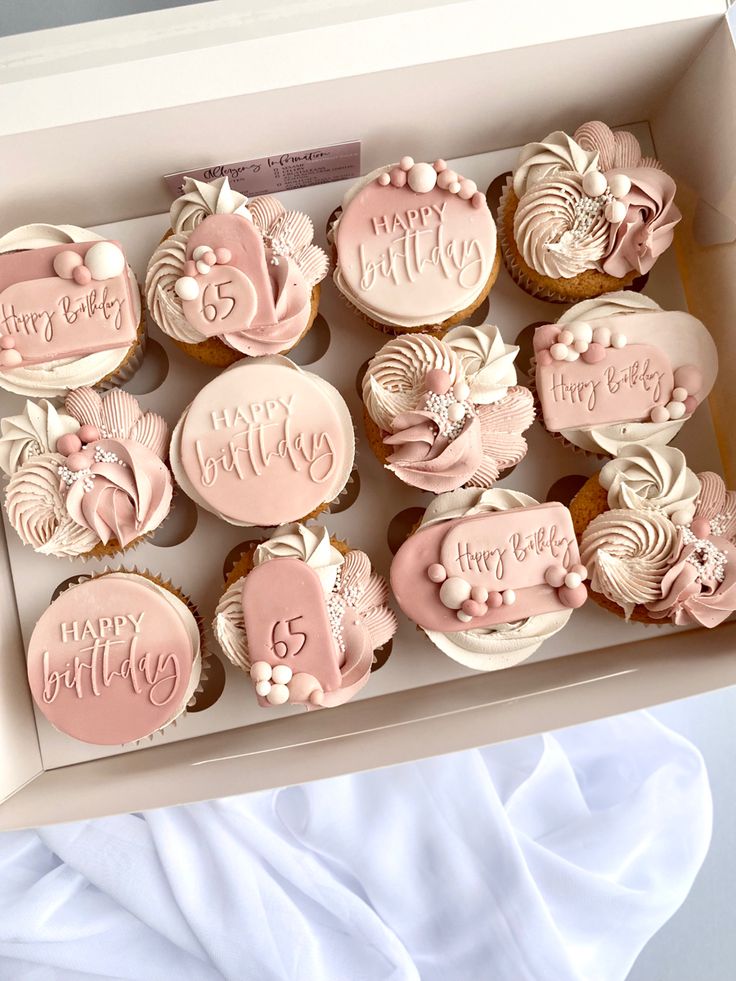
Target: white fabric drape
(546, 859)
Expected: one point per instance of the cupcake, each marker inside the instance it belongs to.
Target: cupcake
(619, 370)
(415, 247)
(585, 215)
(264, 443)
(234, 276)
(447, 413)
(658, 540)
(86, 481)
(302, 615)
(115, 658)
(489, 575)
(70, 312)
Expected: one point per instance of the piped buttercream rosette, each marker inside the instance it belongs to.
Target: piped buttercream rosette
(448, 412)
(303, 616)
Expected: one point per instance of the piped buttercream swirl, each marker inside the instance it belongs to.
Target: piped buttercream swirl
(32, 432)
(487, 362)
(643, 477)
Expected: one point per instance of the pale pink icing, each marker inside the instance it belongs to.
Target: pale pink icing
(111, 660)
(648, 228)
(425, 459)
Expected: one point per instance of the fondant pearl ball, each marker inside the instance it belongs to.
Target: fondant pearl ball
(186, 288)
(615, 211)
(200, 252)
(383, 179)
(203, 267)
(440, 165)
(689, 377)
(602, 336)
(478, 200)
(398, 177)
(82, 275)
(209, 258)
(618, 340)
(509, 597)
(263, 688)
(11, 358)
(572, 580)
(594, 183)
(68, 443)
(65, 263)
(544, 358)
(104, 260)
(317, 698)
(461, 391)
(700, 527)
(467, 189)
(580, 346)
(282, 674)
(422, 178)
(474, 609)
(463, 617)
(572, 598)
(446, 178)
(479, 594)
(495, 600)
(682, 517)
(454, 187)
(676, 409)
(224, 256)
(594, 354)
(679, 394)
(619, 185)
(691, 404)
(7, 343)
(581, 332)
(279, 695)
(78, 461)
(453, 592)
(555, 576)
(456, 412)
(89, 434)
(406, 163)
(438, 381)
(572, 354)
(260, 671)
(436, 572)
(558, 352)
(566, 337)
(660, 414)
(580, 570)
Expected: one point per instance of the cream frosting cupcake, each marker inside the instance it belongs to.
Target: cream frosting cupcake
(489, 575)
(415, 247)
(70, 311)
(585, 215)
(658, 540)
(443, 414)
(618, 369)
(302, 615)
(88, 480)
(234, 276)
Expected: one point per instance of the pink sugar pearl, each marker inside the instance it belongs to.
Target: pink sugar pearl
(82, 276)
(89, 434)
(68, 444)
(398, 177)
(65, 263)
(495, 600)
(691, 404)
(700, 527)
(478, 199)
(594, 353)
(78, 461)
(11, 358)
(474, 609)
(440, 165)
(437, 572)
(572, 598)
(438, 381)
(6, 343)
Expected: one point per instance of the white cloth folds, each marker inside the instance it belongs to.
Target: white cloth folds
(552, 858)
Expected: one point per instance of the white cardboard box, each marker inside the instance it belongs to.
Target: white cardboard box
(89, 145)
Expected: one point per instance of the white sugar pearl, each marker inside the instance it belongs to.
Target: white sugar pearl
(580, 346)
(683, 517)
(581, 332)
(572, 580)
(186, 288)
(263, 688)
(594, 183)
(260, 671)
(679, 394)
(461, 391)
(509, 597)
(566, 337)
(422, 178)
(602, 336)
(104, 260)
(279, 695)
(660, 414)
(572, 354)
(615, 211)
(558, 352)
(619, 185)
(202, 268)
(454, 187)
(282, 674)
(456, 412)
(676, 409)
(464, 617)
(453, 592)
(618, 340)
(200, 251)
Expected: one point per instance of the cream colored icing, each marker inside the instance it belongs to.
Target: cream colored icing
(627, 554)
(34, 431)
(558, 151)
(58, 377)
(199, 199)
(487, 362)
(641, 478)
(490, 648)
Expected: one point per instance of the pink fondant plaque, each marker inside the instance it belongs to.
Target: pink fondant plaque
(266, 443)
(498, 551)
(109, 661)
(50, 318)
(414, 254)
(286, 620)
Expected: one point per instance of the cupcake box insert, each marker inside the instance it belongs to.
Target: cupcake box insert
(419, 702)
